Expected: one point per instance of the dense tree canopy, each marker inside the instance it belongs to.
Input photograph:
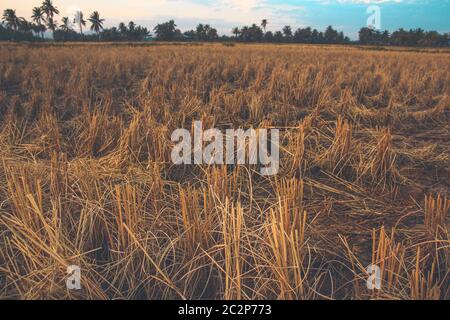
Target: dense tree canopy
(401, 37)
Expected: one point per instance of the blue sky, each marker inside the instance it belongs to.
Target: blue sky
(345, 15)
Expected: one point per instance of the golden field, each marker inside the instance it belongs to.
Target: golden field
(86, 176)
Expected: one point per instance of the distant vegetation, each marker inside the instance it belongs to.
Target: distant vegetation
(71, 29)
(401, 37)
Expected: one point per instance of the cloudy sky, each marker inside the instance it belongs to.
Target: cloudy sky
(345, 15)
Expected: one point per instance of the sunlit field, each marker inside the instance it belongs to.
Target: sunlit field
(86, 176)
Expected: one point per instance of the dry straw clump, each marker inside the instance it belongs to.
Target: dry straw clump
(86, 176)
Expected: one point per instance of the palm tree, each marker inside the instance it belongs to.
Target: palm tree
(38, 18)
(40, 29)
(244, 33)
(96, 22)
(11, 19)
(264, 24)
(79, 20)
(52, 25)
(66, 24)
(49, 9)
(35, 28)
(123, 28)
(287, 31)
(131, 26)
(167, 31)
(236, 32)
(24, 25)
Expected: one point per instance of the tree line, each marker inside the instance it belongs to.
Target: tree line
(401, 37)
(255, 33)
(43, 20)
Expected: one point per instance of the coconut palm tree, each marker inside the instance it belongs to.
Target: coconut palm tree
(11, 19)
(52, 25)
(24, 25)
(66, 24)
(264, 24)
(79, 20)
(38, 18)
(123, 28)
(49, 9)
(35, 28)
(40, 29)
(96, 22)
(131, 26)
(236, 32)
